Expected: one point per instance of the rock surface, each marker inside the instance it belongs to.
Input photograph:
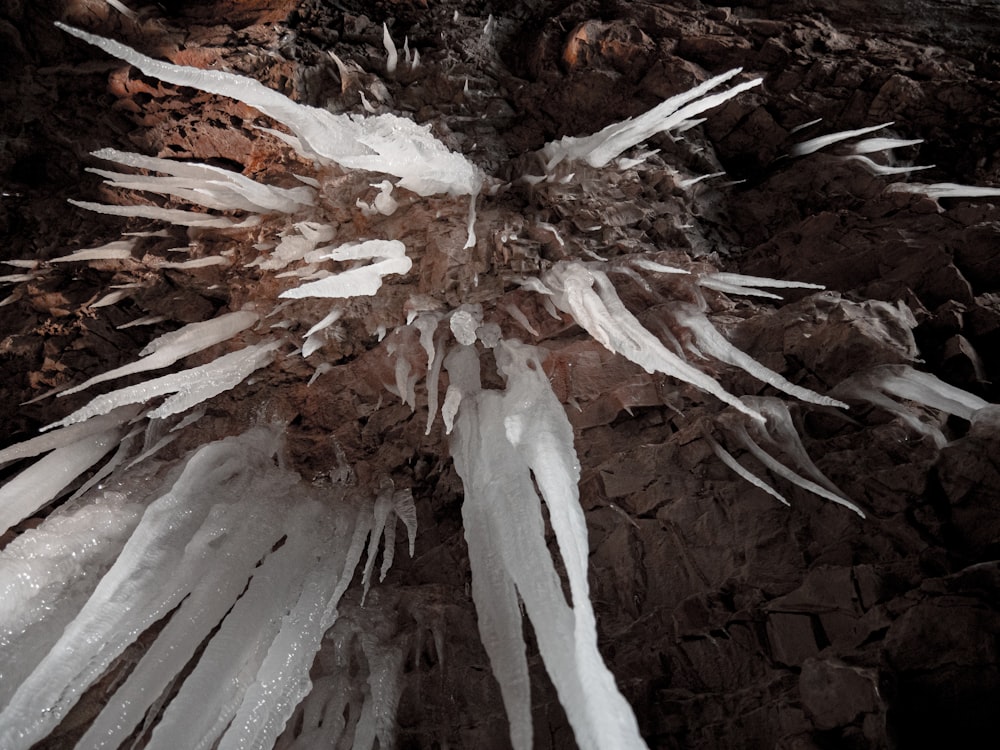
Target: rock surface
(729, 620)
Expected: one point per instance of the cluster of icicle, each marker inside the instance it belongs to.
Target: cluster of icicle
(233, 541)
(231, 555)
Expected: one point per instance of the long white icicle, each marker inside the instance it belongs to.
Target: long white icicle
(496, 451)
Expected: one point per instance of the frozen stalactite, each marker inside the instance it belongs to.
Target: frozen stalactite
(874, 145)
(190, 387)
(815, 144)
(212, 187)
(389, 257)
(234, 543)
(738, 283)
(295, 245)
(391, 55)
(201, 611)
(387, 143)
(709, 341)
(881, 170)
(47, 574)
(603, 315)
(945, 190)
(884, 384)
(497, 453)
(170, 347)
(44, 480)
(599, 149)
(117, 250)
(729, 460)
(173, 536)
(176, 216)
(67, 435)
(779, 433)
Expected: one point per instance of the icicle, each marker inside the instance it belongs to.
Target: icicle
(387, 143)
(903, 382)
(135, 592)
(322, 369)
(945, 190)
(170, 215)
(806, 125)
(67, 435)
(190, 386)
(212, 187)
(815, 144)
(881, 170)
(391, 56)
(648, 265)
(599, 149)
(48, 573)
(117, 250)
(212, 694)
(713, 343)
(874, 145)
(603, 315)
(381, 513)
(123, 9)
(170, 347)
(500, 441)
(146, 320)
(692, 181)
(522, 320)
(44, 480)
(727, 458)
(433, 378)
(363, 281)
(779, 431)
(739, 280)
(247, 538)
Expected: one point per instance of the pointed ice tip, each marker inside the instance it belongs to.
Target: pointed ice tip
(391, 56)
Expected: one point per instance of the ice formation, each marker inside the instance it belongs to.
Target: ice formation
(503, 444)
(388, 256)
(599, 149)
(887, 386)
(233, 558)
(778, 432)
(189, 387)
(183, 549)
(170, 347)
(387, 143)
(589, 296)
(815, 144)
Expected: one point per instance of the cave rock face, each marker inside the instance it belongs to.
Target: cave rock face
(658, 321)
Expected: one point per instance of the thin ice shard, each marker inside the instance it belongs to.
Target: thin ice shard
(170, 215)
(599, 149)
(877, 384)
(778, 432)
(815, 144)
(190, 386)
(945, 190)
(212, 187)
(603, 315)
(170, 347)
(709, 341)
(364, 281)
(44, 480)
